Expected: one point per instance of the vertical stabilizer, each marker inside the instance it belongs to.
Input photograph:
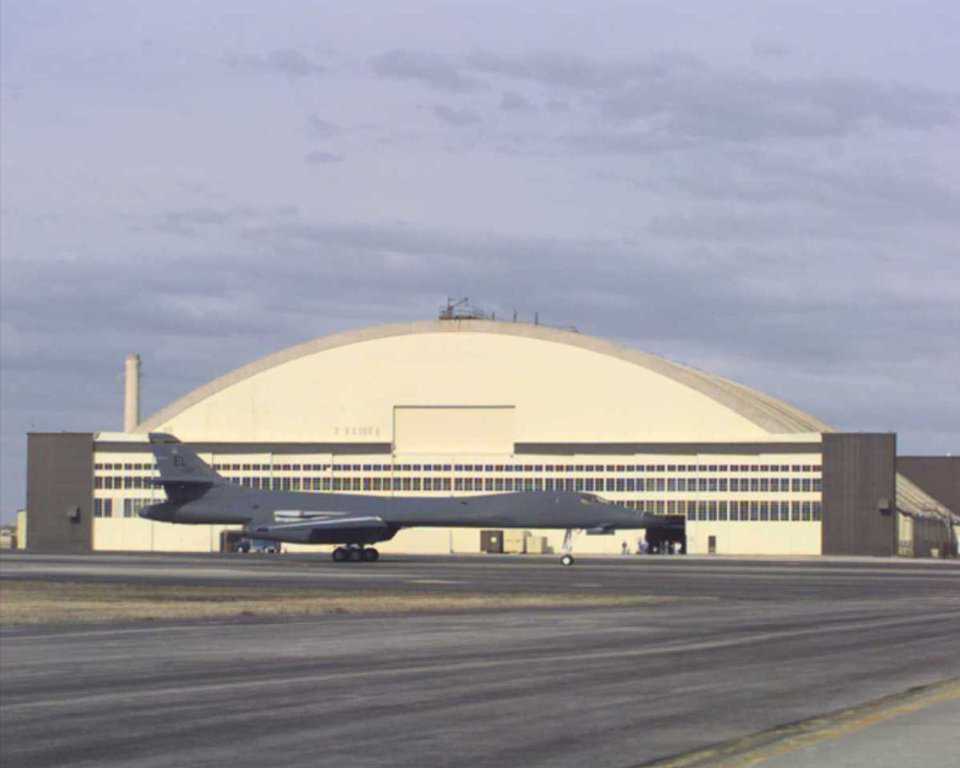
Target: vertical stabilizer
(178, 464)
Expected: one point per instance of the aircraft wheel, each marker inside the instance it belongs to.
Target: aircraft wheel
(371, 555)
(566, 560)
(339, 555)
(355, 554)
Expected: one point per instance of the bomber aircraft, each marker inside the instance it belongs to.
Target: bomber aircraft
(197, 494)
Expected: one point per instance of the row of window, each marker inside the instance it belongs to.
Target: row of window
(763, 511)
(495, 484)
(131, 507)
(588, 484)
(125, 467)
(796, 468)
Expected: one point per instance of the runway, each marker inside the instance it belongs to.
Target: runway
(752, 645)
(768, 579)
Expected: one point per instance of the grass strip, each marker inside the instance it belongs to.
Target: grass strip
(44, 602)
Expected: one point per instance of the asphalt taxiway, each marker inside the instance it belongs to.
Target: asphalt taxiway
(748, 646)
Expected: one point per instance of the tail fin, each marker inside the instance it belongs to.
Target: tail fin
(179, 465)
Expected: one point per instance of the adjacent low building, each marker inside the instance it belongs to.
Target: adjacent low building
(468, 406)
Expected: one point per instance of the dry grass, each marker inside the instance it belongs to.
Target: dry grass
(40, 602)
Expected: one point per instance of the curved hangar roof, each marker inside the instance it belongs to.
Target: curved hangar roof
(562, 386)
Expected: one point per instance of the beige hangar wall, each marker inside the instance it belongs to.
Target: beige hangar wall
(563, 387)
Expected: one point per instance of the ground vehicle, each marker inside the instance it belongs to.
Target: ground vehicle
(258, 545)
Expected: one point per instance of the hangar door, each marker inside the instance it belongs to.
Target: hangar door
(447, 429)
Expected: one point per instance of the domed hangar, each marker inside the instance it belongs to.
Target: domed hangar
(473, 406)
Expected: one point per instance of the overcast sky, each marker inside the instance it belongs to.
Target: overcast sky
(770, 191)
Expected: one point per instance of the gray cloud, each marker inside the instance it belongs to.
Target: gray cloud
(284, 61)
(768, 48)
(318, 128)
(426, 68)
(511, 101)
(735, 107)
(555, 68)
(317, 157)
(456, 117)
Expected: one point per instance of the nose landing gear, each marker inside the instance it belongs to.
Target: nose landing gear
(355, 553)
(567, 548)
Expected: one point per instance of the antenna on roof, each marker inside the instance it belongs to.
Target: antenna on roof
(460, 309)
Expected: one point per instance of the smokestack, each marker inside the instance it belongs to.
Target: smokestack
(131, 393)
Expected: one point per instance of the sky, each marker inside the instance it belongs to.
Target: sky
(765, 190)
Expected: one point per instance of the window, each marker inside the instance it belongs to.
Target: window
(795, 510)
(817, 510)
(103, 507)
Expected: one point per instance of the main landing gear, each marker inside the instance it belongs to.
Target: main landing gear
(355, 553)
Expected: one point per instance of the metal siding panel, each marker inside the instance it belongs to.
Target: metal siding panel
(858, 471)
(59, 476)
